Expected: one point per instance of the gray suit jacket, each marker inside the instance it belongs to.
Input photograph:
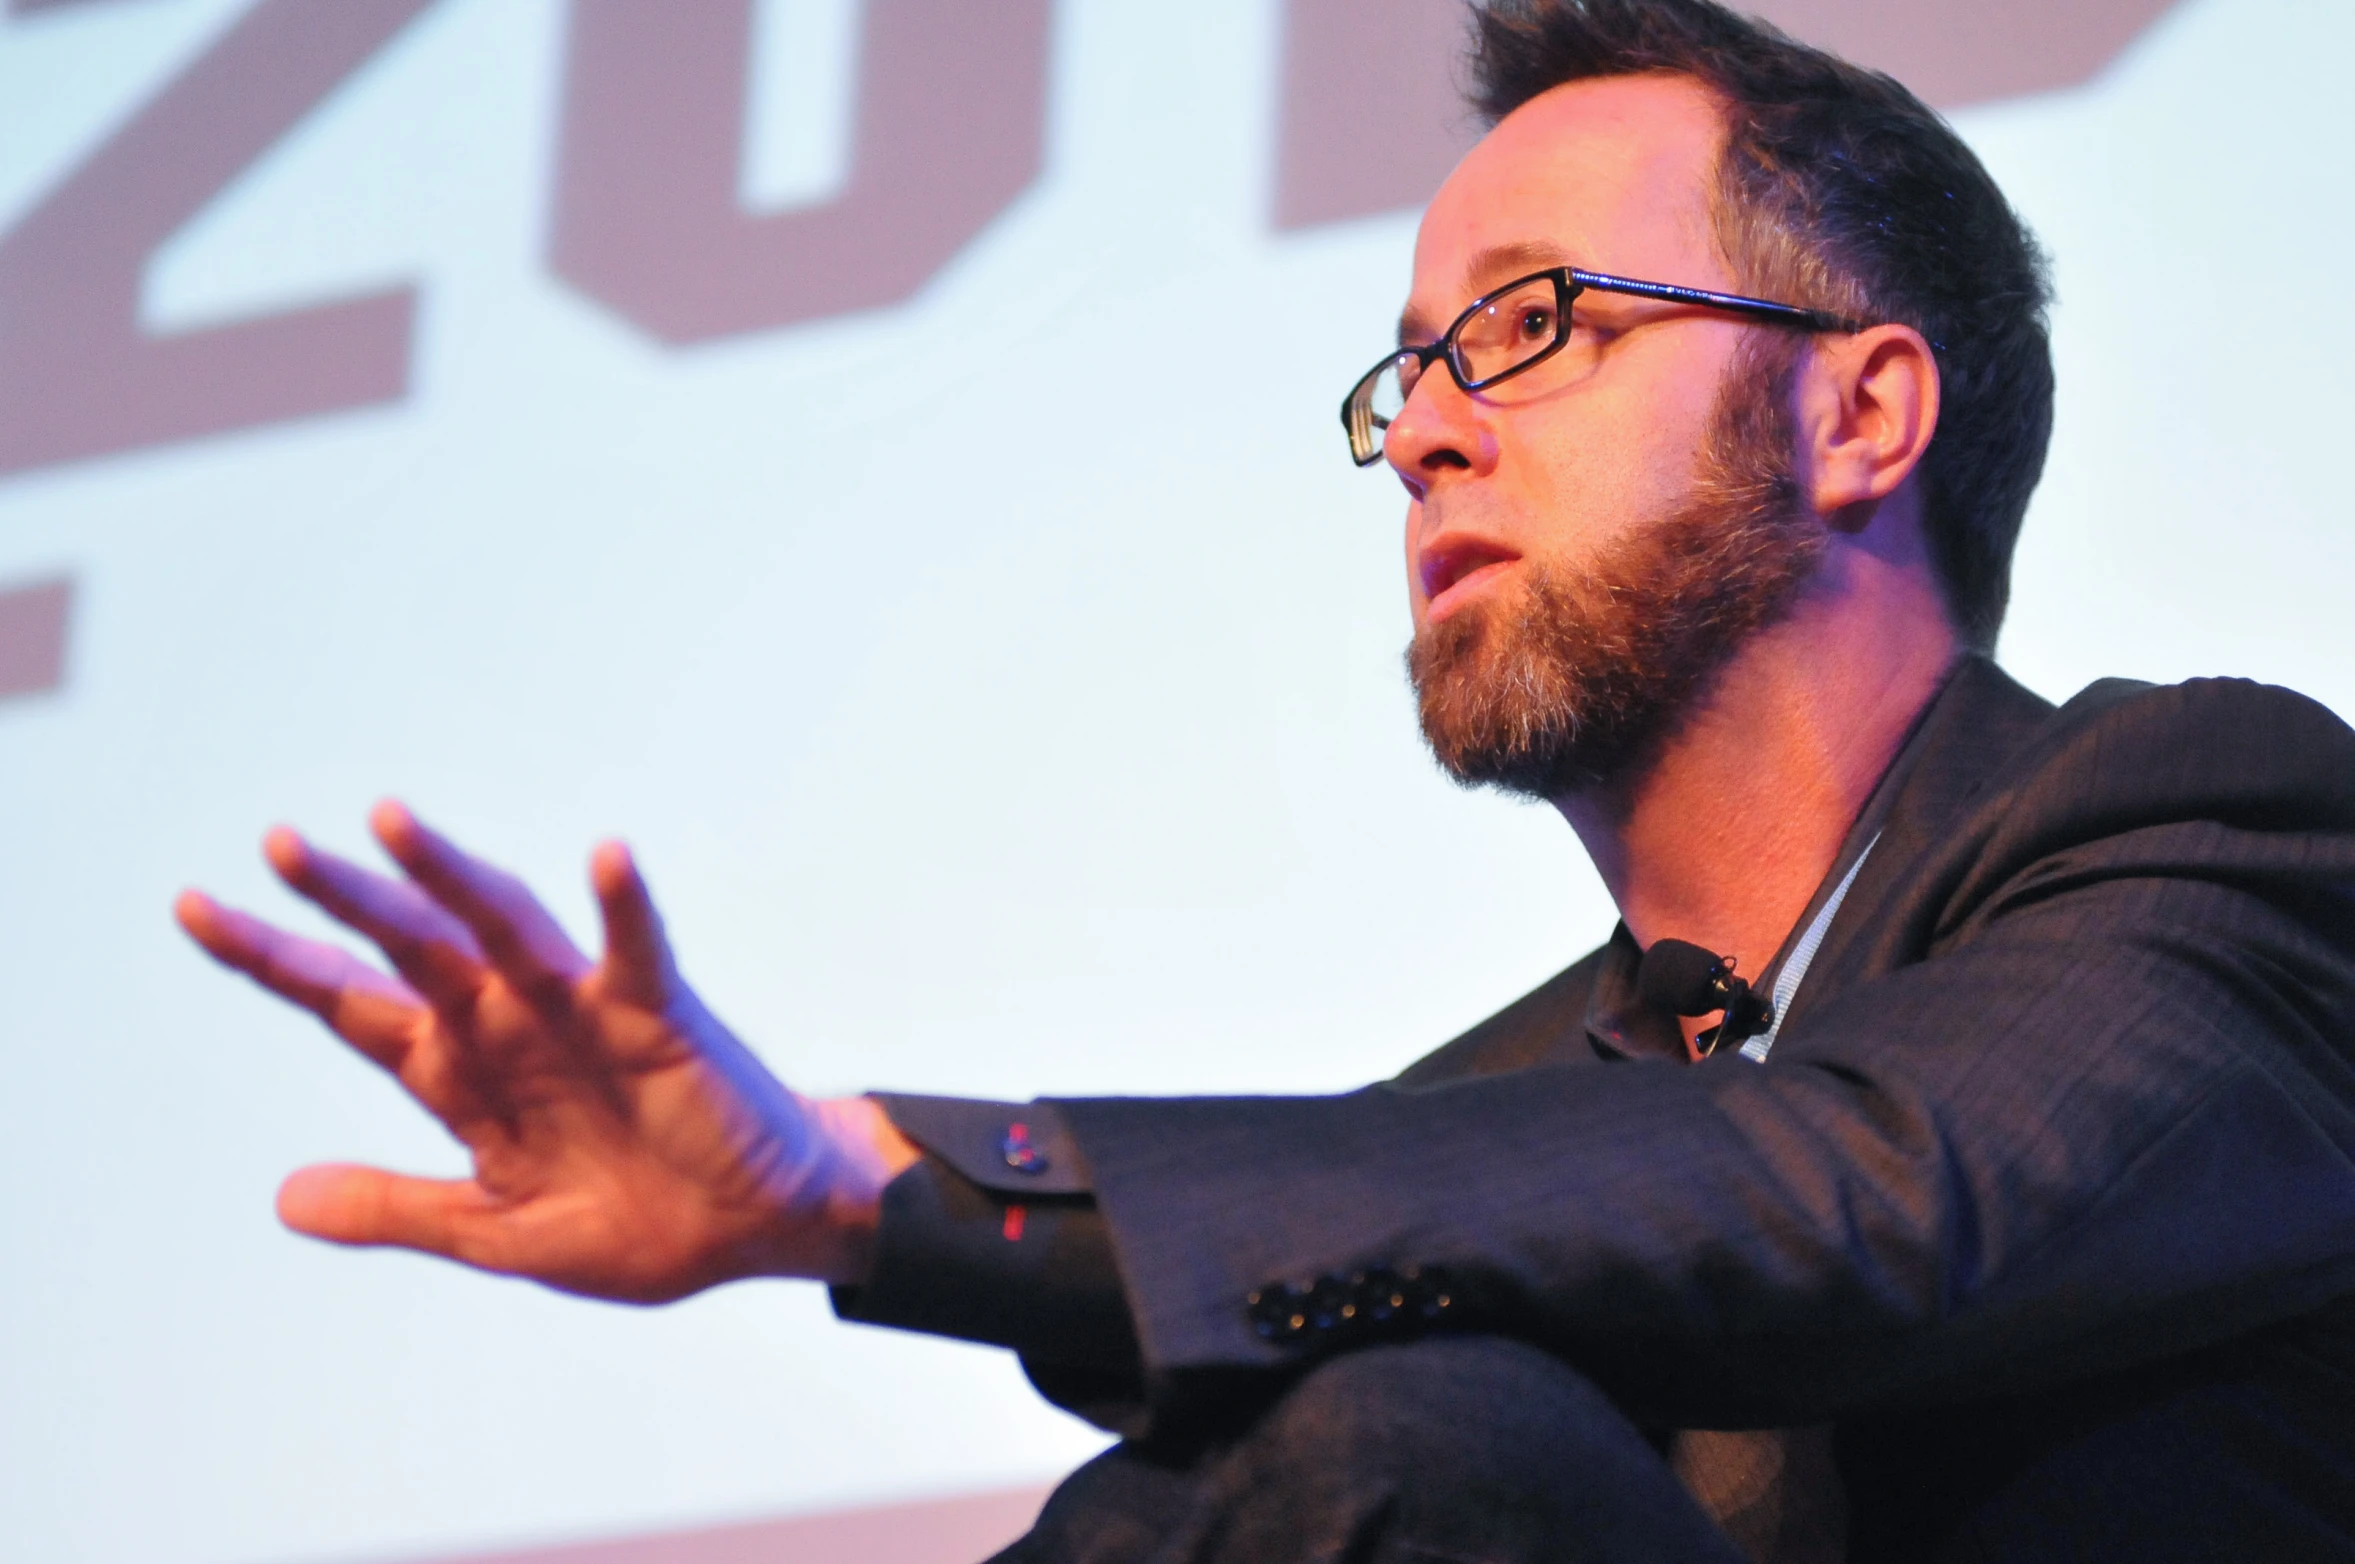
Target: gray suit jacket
(2045, 1196)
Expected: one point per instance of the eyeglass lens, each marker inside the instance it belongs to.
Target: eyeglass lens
(1509, 331)
(1506, 333)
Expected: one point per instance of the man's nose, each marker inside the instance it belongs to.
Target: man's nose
(1439, 430)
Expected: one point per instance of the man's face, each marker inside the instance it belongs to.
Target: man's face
(1588, 541)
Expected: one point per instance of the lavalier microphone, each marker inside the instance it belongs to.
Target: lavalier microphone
(1688, 980)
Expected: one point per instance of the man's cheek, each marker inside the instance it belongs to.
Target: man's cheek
(1609, 487)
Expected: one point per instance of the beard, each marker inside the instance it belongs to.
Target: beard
(1579, 681)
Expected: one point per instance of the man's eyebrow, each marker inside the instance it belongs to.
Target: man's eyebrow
(1495, 264)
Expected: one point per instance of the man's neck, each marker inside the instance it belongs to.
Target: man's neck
(1724, 837)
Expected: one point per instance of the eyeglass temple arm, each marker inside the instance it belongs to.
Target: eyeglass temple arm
(1673, 293)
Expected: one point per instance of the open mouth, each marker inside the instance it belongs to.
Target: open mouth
(1452, 571)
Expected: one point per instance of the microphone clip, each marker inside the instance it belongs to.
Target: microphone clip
(1689, 980)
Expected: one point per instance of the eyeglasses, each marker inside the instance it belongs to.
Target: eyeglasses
(1520, 326)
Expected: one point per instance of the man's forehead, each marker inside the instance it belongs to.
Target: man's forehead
(1612, 174)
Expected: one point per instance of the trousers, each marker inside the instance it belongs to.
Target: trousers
(1450, 1450)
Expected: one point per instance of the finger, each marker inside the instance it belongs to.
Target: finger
(347, 1204)
(375, 1013)
(437, 954)
(525, 945)
(638, 962)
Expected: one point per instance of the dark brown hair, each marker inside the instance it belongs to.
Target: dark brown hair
(1840, 190)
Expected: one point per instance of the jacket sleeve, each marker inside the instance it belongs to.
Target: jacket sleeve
(992, 1237)
(2108, 1117)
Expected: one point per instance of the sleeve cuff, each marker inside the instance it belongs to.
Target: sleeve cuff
(1019, 1150)
(1011, 1262)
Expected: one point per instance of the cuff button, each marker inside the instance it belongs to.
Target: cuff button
(1329, 1306)
(1279, 1313)
(1020, 1153)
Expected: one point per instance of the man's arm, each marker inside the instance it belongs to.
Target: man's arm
(2108, 1119)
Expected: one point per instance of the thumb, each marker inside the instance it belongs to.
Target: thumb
(345, 1204)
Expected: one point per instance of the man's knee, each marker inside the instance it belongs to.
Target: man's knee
(1451, 1405)
(1462, 1447)
(1459, 1448)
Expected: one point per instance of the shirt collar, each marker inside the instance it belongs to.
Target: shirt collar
(1618, 1022)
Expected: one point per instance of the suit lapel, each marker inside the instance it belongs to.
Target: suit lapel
(1976, 724)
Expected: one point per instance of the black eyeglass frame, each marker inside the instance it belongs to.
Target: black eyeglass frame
(1357, 408)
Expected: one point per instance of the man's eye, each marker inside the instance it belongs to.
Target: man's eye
(1537, 325)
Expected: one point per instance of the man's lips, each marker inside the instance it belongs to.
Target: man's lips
(1453, 570)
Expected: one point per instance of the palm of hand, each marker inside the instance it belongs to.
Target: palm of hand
(625, 1144)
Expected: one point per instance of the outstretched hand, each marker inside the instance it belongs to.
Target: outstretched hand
(625, 1144)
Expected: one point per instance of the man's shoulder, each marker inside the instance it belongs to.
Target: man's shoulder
(1547, 1025)
(2122, 753)
(2009, 798)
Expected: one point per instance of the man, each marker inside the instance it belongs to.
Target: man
(2009, 1214)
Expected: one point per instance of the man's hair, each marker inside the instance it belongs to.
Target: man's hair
(1840, 190)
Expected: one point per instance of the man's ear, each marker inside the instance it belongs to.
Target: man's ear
(1866, 406)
